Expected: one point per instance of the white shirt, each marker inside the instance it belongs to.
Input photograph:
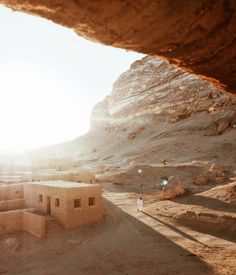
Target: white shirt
(139, 203)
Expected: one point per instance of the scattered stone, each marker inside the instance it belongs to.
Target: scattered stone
(108, 157)
(201, 180)
(118, 183)
(132, 135)
(182, 114)
(164, 162)
(233, 123)
(221, 125)
(132, 164)
(212, 110)
(217, 174)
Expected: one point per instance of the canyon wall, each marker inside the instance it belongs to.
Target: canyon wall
(163, 120)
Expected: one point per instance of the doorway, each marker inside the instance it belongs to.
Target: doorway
(49, 205)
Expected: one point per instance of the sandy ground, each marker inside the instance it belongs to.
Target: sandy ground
(215, 250)
(124, 242)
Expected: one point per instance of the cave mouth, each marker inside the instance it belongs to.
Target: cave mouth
(197, 36)
(51, 80)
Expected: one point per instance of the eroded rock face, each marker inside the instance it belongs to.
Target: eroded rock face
(215, 174)
(153, 87)
(198, 36)
(174, 189)
(163, 121)
(157, 112)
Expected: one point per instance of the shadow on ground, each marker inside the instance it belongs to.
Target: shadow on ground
(207, 202)
(210, 229)
(119, 244)
(175, 229)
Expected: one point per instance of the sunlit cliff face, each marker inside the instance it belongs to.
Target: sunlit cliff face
(50, 80)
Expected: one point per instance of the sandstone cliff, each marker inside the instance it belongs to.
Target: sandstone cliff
(164, 120)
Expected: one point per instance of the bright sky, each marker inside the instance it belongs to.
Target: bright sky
(50, 80)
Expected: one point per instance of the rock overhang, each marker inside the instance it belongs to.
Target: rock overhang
(198, 36)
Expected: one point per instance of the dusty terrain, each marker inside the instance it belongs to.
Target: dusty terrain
(124, 242)
(158, 121)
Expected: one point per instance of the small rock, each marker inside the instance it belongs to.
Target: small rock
(201, 180)
(221, 125)
(132, 135)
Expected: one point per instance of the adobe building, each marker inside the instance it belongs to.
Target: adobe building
(70, 175)
(44, 207)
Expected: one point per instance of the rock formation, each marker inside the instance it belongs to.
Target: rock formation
(163, 121)
(174, 189)
(199, 36)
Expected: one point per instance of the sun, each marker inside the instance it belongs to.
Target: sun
(36, 108)
(50, 80)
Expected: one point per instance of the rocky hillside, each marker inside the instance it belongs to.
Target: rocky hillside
(164, 120)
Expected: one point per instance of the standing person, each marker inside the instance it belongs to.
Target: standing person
(139, 204)
(164, 182)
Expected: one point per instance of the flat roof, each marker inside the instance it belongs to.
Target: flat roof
(63, 184)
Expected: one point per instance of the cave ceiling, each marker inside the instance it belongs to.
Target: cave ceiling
(198, 36)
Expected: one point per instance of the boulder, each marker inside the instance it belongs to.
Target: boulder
(233, 123)
(181, 114)
(173, 189)
(221, 125)
(132, 135)
(216, 174)
(201, 180)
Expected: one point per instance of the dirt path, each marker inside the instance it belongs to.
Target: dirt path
(218, 252)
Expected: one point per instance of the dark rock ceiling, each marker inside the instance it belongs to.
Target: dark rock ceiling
(197, 35)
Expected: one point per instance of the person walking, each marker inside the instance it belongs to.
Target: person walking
(139, 204)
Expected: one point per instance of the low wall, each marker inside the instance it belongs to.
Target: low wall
(11, 221)
(80, 177)
(75, 177)
(12, 204)
(34, 224)
(16, 220)
(11, 192)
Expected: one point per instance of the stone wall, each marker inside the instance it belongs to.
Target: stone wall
(11, 192)
(17, 220)
(85, 213)
(11, 221)
(34, 224)
(80, 177)
(32, 192)
(12, 204)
